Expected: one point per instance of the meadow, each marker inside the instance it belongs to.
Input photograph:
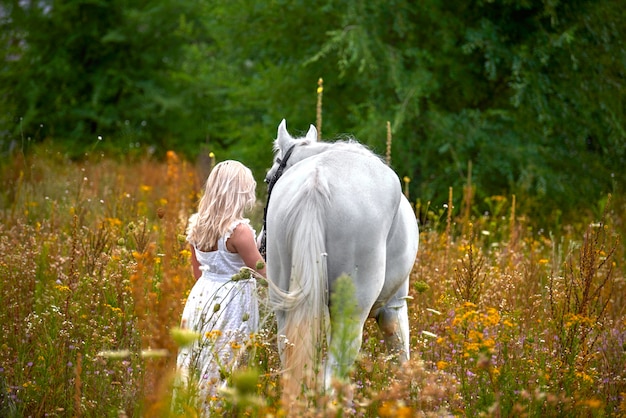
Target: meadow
(506, 319)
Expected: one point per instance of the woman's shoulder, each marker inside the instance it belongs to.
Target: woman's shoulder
(242, 224)
(242, 237)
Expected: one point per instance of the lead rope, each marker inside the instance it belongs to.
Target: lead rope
(279, 172)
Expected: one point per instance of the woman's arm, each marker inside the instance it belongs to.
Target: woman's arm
(242, 242)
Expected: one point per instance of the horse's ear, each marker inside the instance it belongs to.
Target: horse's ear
(311, 136)
(282, 137)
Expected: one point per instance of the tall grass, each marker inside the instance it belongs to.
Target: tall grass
(94, 271)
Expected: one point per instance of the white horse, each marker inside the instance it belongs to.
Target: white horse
(334, 209)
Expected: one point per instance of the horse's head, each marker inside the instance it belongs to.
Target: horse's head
(285, 150)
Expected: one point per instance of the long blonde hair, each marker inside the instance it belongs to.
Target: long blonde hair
(229, 192)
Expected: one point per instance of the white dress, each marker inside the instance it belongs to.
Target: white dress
(224, 312)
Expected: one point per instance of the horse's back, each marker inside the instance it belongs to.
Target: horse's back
(363, 192)
(363, 198)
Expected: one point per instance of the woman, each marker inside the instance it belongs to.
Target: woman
(223, 311)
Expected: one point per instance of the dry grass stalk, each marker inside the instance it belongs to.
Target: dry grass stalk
(468, 195)
(468, 278)
(318, 108)
(579, 299)
(388, 151)
(448, 233)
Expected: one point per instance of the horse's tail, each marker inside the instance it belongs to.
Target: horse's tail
(306, 302)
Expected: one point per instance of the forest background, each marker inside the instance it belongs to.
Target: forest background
(521, 97)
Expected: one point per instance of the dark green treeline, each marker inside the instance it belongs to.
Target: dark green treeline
(531, 92)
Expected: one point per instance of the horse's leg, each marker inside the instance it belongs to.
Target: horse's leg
(393, 318)
(393, 321)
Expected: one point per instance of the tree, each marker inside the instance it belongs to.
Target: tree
(530, 92)
(79, 69)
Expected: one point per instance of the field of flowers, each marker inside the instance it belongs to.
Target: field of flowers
(506, 320)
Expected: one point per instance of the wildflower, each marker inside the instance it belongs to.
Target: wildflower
(62, 288)
(172, 157)
(114, 221)
(441, 365)
(421, 287)
(215, 334)
(492, 317)
(320, 87)
(389, 409)
(114, 309)
(592, 403)
(584, 377)
(469, 305)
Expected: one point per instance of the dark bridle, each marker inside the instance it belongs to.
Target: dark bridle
(282, 163)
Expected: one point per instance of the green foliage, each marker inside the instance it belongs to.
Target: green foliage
(530, 92)
(78, 70)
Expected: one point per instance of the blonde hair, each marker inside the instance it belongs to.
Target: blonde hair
(229, 192)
